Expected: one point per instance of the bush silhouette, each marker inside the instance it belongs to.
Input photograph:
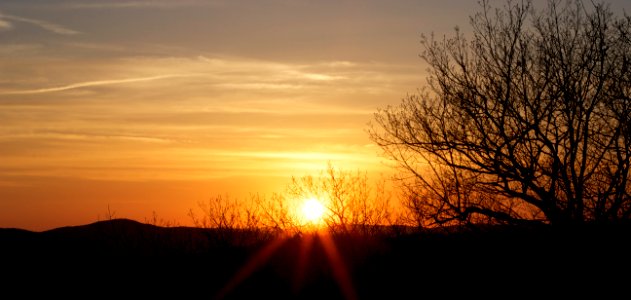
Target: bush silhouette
(351, 204)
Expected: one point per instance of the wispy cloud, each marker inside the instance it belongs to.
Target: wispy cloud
(18, 49)
(48, 26)
(136, 4)
(94, 83)
(5, 25)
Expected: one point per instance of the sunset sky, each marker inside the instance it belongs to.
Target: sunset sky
(157, 105)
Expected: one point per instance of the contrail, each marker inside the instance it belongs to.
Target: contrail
(52, 27)
(93, 83)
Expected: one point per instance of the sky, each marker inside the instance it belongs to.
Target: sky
(155, 106)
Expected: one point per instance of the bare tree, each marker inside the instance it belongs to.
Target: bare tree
(352, 203)
(530, 120)
(233, 221)
(220, 212)
(277, 213)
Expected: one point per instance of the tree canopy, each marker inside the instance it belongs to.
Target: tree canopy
(528, 120)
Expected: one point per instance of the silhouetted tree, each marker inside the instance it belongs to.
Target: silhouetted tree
(277, 213)
(353, 204)
(219, 212)
(530, 120)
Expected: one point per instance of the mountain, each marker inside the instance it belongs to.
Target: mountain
(125, 257)
(121, 237)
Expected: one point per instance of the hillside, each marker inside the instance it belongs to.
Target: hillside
(117, 256)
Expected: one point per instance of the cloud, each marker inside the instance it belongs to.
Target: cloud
(48, 26)
(135, 4)
(5, 25)
(221, 117)
(94, 83)
(18, 49)
(214, 83)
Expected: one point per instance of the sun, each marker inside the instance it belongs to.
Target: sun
(312, 210)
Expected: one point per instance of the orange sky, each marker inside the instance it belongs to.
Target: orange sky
(157, 105)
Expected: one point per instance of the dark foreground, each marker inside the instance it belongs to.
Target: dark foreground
(122, 258)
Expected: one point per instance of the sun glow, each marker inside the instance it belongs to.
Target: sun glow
(312, 211)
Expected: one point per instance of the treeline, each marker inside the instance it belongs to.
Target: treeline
(353, 203)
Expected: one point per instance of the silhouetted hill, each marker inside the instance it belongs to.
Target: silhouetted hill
(123, 237)
(125, 256)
